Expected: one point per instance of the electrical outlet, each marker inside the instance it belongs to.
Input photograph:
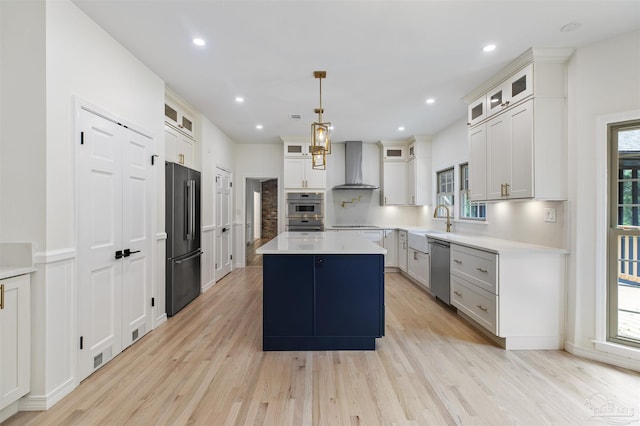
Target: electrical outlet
(550, 215)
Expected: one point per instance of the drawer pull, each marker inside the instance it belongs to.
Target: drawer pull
(457, 293)
(482, 308)
(457, 261)
(482, 270)
(1, 296)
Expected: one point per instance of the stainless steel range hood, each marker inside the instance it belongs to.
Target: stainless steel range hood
(353, 167)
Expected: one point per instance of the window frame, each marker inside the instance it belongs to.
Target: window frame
(480, 207)
(441, 196)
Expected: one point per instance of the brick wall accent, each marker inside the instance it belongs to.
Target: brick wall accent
(270, 208)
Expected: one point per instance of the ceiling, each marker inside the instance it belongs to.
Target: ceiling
(383, 59)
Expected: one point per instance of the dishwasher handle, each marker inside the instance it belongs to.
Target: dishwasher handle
(443, 244)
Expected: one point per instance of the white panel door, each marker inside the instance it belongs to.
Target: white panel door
(478, 163)
(99, 237)
(114, 240)
(522, 151)
(136, 236)
(223, 223)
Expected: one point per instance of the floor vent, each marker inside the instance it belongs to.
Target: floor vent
(97, 360)
(134, 335)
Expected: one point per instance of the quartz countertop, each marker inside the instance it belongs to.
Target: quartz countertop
(494, 245)
(320, 243)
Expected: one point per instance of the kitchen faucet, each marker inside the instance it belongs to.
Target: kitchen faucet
(435, 213)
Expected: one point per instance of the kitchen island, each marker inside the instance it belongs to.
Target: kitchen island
(322, 291)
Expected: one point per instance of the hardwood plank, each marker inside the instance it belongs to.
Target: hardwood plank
(206, 366)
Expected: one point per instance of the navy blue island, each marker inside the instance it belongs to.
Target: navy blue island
(322, 291)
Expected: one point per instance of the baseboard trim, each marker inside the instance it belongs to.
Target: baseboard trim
(44, 402)
(603, 357)
(53, 256)
(208, 285)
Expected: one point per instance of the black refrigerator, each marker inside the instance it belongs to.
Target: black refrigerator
(182, 224)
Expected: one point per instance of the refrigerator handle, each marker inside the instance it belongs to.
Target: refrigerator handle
(189, 210)
(193, 209)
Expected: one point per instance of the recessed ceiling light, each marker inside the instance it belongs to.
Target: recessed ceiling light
(259, 126)
(489, 48)
(401, 129)
(430, 101)
(239, 99)
(198, 42)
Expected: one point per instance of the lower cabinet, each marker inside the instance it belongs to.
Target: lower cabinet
(322, 302)
(390, 242)
(15, 338)
(517, 296)
(418, 267)
(402, 250)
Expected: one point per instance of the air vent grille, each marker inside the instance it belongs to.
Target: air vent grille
(295, 116)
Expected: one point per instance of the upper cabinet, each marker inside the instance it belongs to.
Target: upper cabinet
(179, 117)
(298, 170)
(406, 172)
(517, 130)
(180, 132)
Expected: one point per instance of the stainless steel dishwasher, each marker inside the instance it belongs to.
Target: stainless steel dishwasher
(439, 278)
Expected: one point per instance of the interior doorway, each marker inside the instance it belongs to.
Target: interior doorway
(261, 216)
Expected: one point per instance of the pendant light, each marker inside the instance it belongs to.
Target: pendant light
(320, 132)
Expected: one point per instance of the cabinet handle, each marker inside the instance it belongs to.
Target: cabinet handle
(482, 308)
(404, 245)
(482, 270)
(457, 293)
(502, 189)
(385, 199)
(506, 189)
(457, 261)
(1, 296)
(415, 255)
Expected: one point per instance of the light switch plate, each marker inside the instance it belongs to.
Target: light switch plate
(550, 215)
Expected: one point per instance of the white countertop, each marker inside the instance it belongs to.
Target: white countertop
(494, 245)
(320, 243)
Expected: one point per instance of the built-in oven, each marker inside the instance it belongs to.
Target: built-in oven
(305, 211)
(305, 204)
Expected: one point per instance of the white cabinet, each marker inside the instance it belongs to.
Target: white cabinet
(15, 338)
(402, 250)
(297, 149)
(299, 174)
(179, 148)
(478, 163)
(418, 267)
(517, 296)
(179, 117)
(522, 127)
(390, 243)
(406, 172)
(394, 183)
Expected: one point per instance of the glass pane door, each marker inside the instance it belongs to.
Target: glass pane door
(624, 234)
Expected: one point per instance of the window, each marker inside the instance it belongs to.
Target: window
(469, 209)
(446, 190)
(623, 268)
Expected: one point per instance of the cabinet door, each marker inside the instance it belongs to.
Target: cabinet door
(294, 176)
(521, 184)
(402, 250)
(411, 182)
(15, 335)
(520, 86)
(498, 156)
(477, 111)
(390, 243)
(296, 149)
(394, 183)
(316, 179)
(478, 163)
(288, 295)
(418, 267)
(497, 99)
(349, 295)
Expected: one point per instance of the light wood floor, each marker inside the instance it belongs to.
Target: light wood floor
(254, 259)
(205, 366)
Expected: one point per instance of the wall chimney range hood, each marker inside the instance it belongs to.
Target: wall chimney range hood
(353, 167)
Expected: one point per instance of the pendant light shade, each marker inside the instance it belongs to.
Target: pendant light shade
(318, 158)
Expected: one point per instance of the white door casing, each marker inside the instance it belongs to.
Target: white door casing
(223, 223)
(114, 183)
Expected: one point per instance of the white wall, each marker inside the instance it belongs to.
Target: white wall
(604, 79)
(66, 56)
(22, 122)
